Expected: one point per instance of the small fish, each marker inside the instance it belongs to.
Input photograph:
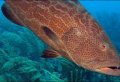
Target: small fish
(69, 30)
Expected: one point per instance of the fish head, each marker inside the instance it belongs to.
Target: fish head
(92, 50)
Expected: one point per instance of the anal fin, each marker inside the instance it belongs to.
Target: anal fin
(50, 53)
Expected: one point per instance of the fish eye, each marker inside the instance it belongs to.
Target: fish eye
(104, 46)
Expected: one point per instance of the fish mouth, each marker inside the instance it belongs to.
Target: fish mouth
(114, 67)
(111, 70)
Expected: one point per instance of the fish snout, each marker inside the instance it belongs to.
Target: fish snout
(112, 70)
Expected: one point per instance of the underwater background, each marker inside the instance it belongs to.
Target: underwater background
(21, 50)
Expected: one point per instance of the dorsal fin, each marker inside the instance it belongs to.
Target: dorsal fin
(9, 15)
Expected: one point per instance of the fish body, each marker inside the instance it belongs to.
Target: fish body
(69, 30)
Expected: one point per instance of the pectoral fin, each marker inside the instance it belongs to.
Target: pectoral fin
(50, 53)
(54, 37)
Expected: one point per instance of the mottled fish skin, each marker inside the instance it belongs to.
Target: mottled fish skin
(78, 35)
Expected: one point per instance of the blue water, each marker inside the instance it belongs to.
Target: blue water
(102, 5)
(20, 50)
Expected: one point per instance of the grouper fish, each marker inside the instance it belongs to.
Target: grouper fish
(69, 30)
